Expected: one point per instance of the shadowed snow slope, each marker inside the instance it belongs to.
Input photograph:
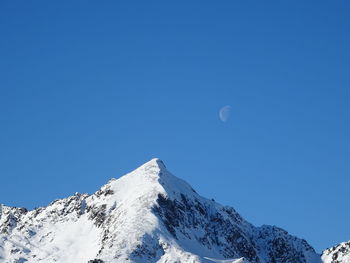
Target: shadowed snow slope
(146, 216)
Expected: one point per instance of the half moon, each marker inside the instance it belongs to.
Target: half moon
(224, 113)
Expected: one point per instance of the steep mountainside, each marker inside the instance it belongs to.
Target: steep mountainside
(146, 216)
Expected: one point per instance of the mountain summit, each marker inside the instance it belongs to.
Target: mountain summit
(146, 216)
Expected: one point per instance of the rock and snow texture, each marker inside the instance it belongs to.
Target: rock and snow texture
(337, 254)
(146, 216)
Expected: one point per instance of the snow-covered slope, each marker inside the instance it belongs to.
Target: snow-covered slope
(146, 216)
(337, 254)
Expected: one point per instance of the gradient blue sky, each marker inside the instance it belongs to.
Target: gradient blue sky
(90, 90)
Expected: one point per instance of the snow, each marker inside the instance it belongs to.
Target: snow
(337, 254)
(238, 260)
(79, 240)
(146, 216)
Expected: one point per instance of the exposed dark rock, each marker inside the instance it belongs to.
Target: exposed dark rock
(96, 261)
(98, 214)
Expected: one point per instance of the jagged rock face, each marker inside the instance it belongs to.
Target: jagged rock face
(146, 216)
(337, 254)
(222, 230)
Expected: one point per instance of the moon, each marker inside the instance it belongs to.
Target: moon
(225, 113)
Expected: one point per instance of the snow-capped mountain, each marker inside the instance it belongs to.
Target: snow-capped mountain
(146, 216)
(337, 254)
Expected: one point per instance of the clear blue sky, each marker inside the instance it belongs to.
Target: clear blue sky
(89, 90)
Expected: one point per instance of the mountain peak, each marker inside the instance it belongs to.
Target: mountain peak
(148, 216)
(339, 253)
(150, 179)
(155, 164)
(156, 161)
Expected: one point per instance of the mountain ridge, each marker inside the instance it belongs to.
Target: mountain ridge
(147, 215)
